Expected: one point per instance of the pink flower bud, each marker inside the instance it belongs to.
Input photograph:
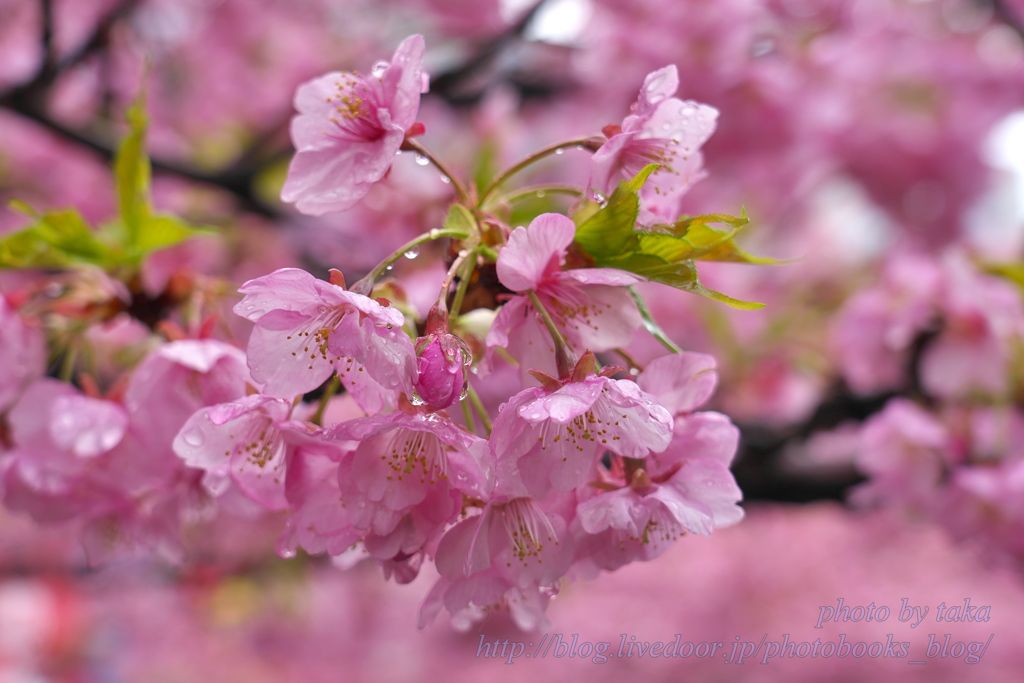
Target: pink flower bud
(443, 359)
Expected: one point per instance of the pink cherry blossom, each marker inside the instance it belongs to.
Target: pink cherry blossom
(591, 306)
(661, 129)
(509, 554)
(874, 331)
(317, 520)
(983, 323)
(906, 451)
(684, 488)
(177, 379)
(349, 128)
(306, 329)
(546, 439)
(404, 481)
(240, 442)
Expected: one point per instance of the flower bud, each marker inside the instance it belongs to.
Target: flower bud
(443, 359)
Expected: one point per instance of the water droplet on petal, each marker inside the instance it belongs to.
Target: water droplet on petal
(416, 399)
(194, 437)
(542, 194)
(445, 179)
(379, 68)
(287, 554)
(559, 151)
(549, 591)
(389, 268)
(412, 253)
(422, 160)
(464, 394)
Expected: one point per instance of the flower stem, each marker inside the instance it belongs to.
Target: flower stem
(411, 145)
(565, 360)
(649, 324)
(485, 419)
(541, 190)
(529, 161)
(467, 414)
(329, 392)
(464, 278)
(365, 286)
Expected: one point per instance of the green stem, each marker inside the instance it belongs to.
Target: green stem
(629, 359)
(485, 419)
(365, 286)
(650, 325)
(325, 398)
(464, 278)
(541, 190)
(411, 145)
(467, 414)
(67, 365)
(527, 162)
(564, 357)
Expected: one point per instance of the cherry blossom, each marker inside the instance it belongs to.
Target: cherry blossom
(663, 130)
(306, 329)
(349, 128)
(591, 306)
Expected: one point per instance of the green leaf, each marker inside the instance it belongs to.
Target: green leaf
(58, 239)
(611, 231)
(1014, 272)
(132, 172)
(161, 232)
(698, 288)
(711, 244)
(665, 254)
(461, 220)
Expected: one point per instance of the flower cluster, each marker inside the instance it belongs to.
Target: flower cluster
(945, 337)
(358, 420)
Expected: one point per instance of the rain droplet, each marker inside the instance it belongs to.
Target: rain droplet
(412, 253)
(634, 371)
(549, 591)
(194, 437)
(445, 179)
(559, 151)
(287, 554)
(422, 160)
(416, 399)
(379, 68)
(464, 394)
(542, 194)
(389, 268)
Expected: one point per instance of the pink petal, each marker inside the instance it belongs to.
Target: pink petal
(682, 381)
(535, 252)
